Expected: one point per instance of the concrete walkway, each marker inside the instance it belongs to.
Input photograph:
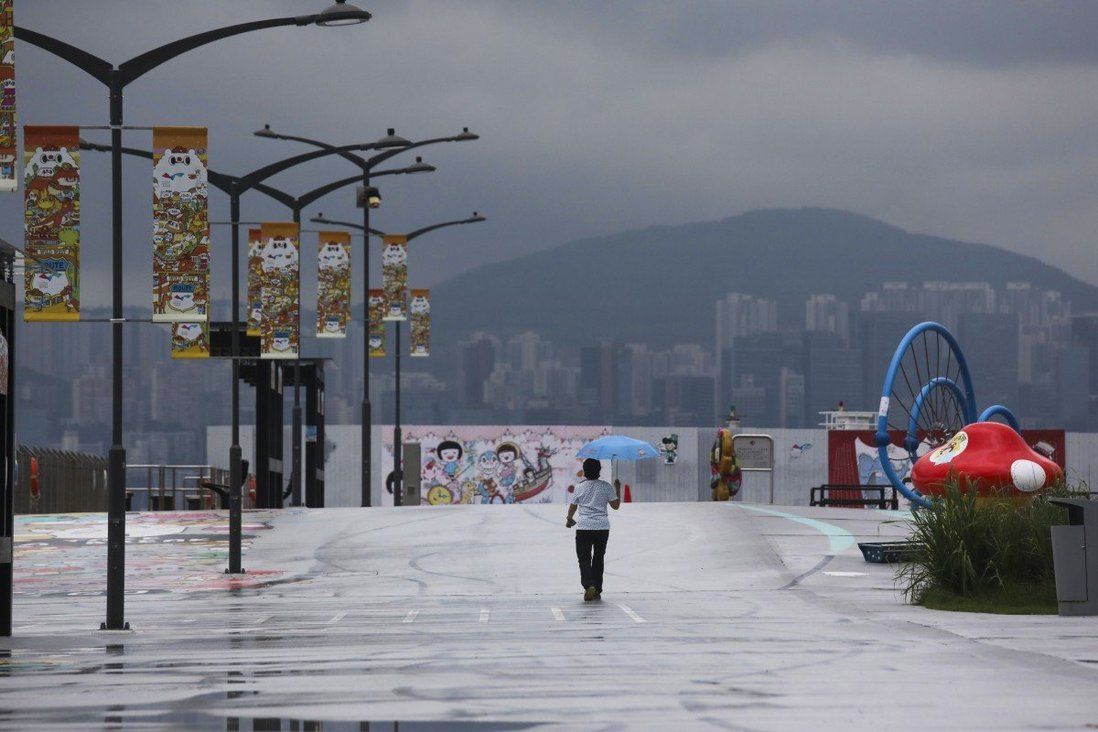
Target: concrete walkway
(715, 616)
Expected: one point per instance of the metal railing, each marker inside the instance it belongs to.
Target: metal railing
(64, 482)
(60, 481)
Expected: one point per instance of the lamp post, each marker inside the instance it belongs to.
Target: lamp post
(398, 471)
(366, 165)
(116, 78)
(235, 186)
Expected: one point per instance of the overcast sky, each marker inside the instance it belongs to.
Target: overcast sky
(972, 120)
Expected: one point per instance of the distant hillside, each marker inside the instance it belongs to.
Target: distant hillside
(659, 285)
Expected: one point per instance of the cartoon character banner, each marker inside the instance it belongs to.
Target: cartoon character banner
(181, 227)
(478, 464)
(190, 340)
(52, 222)
(8, 180)
(375, 313)
(394, 276)
(420, 309)
(333, 276)
(280, 297)
(255, 281)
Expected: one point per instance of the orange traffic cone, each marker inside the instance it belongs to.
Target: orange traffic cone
(627, 497)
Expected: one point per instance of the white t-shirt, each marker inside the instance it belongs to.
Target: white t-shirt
(592, 497)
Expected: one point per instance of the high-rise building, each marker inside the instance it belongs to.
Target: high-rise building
(477, 360)
(827, 314)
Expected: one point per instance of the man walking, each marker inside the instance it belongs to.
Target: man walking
(591, 498)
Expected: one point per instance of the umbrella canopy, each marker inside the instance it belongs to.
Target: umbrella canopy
(617, 447)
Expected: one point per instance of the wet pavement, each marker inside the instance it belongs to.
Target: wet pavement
(715, 616)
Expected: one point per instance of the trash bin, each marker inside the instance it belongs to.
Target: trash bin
(1075, 556)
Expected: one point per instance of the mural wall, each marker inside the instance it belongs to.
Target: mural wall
(476, 464)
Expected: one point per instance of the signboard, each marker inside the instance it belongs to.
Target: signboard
(754, 452)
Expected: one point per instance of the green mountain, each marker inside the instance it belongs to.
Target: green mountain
(659, 285)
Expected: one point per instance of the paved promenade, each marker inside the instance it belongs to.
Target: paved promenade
(715, 616)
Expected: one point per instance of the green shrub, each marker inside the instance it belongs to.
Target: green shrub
(968, 547)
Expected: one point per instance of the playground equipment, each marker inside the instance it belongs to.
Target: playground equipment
(928, 398)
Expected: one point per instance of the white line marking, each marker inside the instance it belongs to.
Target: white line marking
(411, 616)
(558, 614)
(337, 617)
(845, 574)
(629, 611)
(484, 613)
(262, 619)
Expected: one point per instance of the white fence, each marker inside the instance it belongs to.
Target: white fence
(800, 462)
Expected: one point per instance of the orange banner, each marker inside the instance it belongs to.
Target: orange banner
(333, 288)
(280, 321)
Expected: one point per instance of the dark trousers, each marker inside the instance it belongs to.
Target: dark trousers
(591, 548)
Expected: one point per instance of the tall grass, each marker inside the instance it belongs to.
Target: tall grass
(969, 546)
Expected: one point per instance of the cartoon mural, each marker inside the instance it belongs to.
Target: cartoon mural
(333, 276)
(52, 223)
(420, 309)
(280, 321)
(181, 228)
(255, 281)
(8, 179)
(669, 449)
(394, 276)
(503, 465)
(376, 316)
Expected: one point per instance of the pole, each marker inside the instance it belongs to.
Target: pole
(398, 445)
(367, 412)
(235, 478)
(295, 478)
(116, 466)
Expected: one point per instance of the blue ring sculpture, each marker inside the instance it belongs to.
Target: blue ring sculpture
(934, 388)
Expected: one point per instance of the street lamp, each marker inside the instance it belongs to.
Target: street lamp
(398, 471)
(366, 165)
(116, 78)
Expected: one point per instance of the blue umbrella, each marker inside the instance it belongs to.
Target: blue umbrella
(617, 447)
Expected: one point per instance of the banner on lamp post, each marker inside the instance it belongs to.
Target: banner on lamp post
(51, 220)
(333, 277)
(280, 322)
(255, 281)
(375, 314)
(394, 276)
(8, 179)
(181, 226)
(190, 340)
(419, 308)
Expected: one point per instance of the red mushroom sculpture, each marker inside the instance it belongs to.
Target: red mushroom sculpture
(989, 457)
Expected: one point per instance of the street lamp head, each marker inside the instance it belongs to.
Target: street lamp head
(392, 139)
(319, 219)
(368, 196)
(265, 132)
(341, 13)
(420, 167)
(477, 218)
(466, 135)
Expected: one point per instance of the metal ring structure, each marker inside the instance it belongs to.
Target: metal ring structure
(928, 392)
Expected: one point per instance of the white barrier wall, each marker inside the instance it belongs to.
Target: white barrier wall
(800, 457)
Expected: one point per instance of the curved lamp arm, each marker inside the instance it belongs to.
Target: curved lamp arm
(258, 176)
(474, 219)
(142, 64)
(306, 198)
(367, 163)
(79, 58)
(319, 219)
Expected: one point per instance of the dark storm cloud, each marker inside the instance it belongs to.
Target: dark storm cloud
(972, 120)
